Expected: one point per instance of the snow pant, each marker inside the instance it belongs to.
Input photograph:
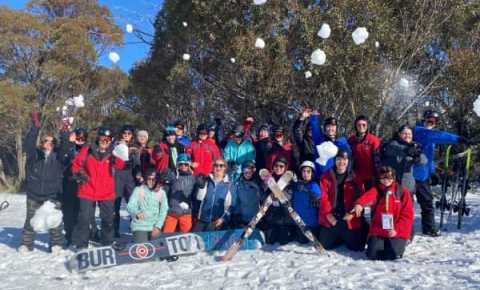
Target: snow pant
(340, 234)
(141, 236)
(300, 237)
(124, 185)
(70, 207)
(277, 225)
(81, 233)
(28, 234)
(385, 248)
(182, 222)
(425, 199)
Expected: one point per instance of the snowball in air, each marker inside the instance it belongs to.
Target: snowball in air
(318, 57)
(129, 28)
(377, 44)
(325, 151)
(186, 56)
(185, 24)
(324, 31)
(260, 43)
(233, 60)
(259, 2)
(58, 109)
(476, 106)
(70, 120)
(114, 57)
(360, 35)
(79, 101)
(308, 74)
(69, 102)
(404, 83)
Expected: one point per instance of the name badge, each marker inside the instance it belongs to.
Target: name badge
(387, 221)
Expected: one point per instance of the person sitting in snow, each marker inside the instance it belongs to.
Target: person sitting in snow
(148, 207)
(43, 183)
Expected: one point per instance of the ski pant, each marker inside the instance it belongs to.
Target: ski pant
(81, 233)
(124, 185)
(28, 234)
(141, 236)
(70, 207)
(182, 222)
(340, 234)
(425, 199)
(385, 248)
(300, 237)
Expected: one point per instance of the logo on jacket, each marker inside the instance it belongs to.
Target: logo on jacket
(141, 251)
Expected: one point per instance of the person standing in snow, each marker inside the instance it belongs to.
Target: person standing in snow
(279, 147)
(43, 183)
(365, 151)
(302, 134)
(148, 207)
(340, 190)
(93, 169)
(424, 174)
(165, 153)
(392, 216)
(263, 145)
(203, 151)
(238, 151)
(180, 132)
(142, 156)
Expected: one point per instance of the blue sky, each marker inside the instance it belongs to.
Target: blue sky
(139, 13)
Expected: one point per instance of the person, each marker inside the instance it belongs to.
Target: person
(180, 197)
(302, 134)
(216, 200)
(142, 156)
(341, 188)
(401, 153)
(306, 196)
(180, 132)
(165, 153)
(44, 178)
(148, 207)
(365, 151)
(329, 134)
(203, 151)
(428, 137)
(93, 169)
(263, 145)
(392, 216)
(238, 151)
(248, 193)
(277, 223)
(279, 147)
(126, 177)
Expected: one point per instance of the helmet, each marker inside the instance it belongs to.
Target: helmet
(342, 153)
(104, 131)
(184, 158)
(81, 131)
(281, 159)
(248, 164)
(430, 114)
(307, 163)
(169, 130)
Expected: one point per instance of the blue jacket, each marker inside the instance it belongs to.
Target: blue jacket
(238, 154)
(319, 138)
(248, 194)
(217, 200)
(302, 194)
(183, 140)
(429, 138)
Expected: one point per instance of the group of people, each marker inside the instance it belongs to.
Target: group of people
(355, 192)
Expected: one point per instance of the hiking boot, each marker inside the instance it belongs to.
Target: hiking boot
(432, 233)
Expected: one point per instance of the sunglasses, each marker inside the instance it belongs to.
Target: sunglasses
(183, 164)
(219, 165)
(180, 127)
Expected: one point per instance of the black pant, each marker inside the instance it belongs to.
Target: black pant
(124, 185)
(81, 233)
(385, 248)
(425, 199)
(28, 234)
(300, 237)
(201, 226)
(340, 234)
(70, 207)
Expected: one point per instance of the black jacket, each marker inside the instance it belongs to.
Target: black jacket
(303, 140)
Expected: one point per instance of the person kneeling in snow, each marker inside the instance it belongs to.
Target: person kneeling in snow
(148, 207)
(392, 216)
(44, 182)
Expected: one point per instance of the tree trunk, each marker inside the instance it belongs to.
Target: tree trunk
(20, 156)
(3, 178)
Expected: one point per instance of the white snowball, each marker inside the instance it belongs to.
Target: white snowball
(318, 57)
(70, 120)
(185, 24)
(360, 35)
(324, 31)
(377, 44)
(57, 109)
(114, 57)
(259, 2)
(308, 74)
(78, 101)
(70, 102)
(326, 150)
(260, 43)
(43, 213)
(476, 106)
(427, 103)
(186, 57)
(129, 28)
(54, 219)
(233, 60)
(404, 83)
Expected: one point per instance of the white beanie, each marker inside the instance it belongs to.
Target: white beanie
(142, 133)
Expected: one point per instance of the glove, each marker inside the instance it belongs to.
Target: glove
(184, 206)
(414, 150)
(201, 181)
(314, 202)
(80, 178)
(36, 119)
(434, 179)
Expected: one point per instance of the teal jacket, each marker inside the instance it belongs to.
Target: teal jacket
(153, 205)
(237, 154)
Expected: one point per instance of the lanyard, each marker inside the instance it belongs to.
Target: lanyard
(387, 200)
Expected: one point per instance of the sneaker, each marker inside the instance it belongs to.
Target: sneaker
(23, 249)
(55, 250)
(432, 233)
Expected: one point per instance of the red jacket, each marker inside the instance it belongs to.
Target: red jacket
(160, 156)
(99, 174)
(352, 190)
(278, 150)
(204, 153)
(363, 154)
(401, 207)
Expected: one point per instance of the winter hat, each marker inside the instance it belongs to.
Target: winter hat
(307, 163)
(342, 153)
(169, 131)
(238, 131)
(248, 164)
(202, 128)
(212, 127)
(361, 118)
(430, 114)
(330, 121)
(142, 133)
(280, 159)
(179, 123)
(184, 159)
(126, 128)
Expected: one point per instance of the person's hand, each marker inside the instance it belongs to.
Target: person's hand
(331, 219)
(195, 164)
(357, 210)
(392, 233)
(139, 178)
(141, 216)
(218, 223)
(348, 217)
(156, 232)
(72, 137)
(306, 114)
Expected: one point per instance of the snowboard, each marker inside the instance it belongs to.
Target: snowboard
(223, 240)
(162, 248)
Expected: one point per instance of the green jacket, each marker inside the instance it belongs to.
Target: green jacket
(153, 205)
(238, 154)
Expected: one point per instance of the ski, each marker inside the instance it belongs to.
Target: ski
(235, 247)
(280, 195)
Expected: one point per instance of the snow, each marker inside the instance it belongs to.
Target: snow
(318, 57)
(360, 35)
(129, 28)
(450, 261)
(377, 44)
(185, 24)
(324, 31)
(308, 74)
(233, 60)
(79, 101)
(46, 217)
(404, 83)
(260, 43)
(186, 57)
(114, 57)
(476, 106)
(259, 2)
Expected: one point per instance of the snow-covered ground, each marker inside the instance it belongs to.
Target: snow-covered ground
(449, 262)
